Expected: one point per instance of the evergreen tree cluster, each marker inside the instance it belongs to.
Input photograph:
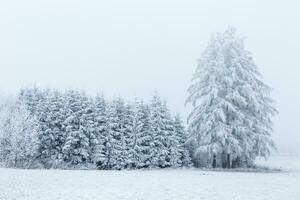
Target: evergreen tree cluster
(230, 123)
(74, 130)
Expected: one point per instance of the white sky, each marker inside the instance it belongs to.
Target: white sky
(133, 47)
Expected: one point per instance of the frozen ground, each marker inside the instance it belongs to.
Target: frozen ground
(189, 184)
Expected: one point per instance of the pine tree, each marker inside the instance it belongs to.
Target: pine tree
(51, 128)
(181, 135)
(231, 105)
(98, 143)
(33, 98)
(114, 138)
(138, 137)
(159, 133)
(91, 126)
(171, 139)
(120, 134)
(145, 136)
(76, 147)
(38, 104)
(130, 132)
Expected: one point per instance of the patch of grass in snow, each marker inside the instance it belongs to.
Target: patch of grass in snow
(255, 169)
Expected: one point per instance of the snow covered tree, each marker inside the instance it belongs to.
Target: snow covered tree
(6, 108)
(172, 141)
(33, 98)
(107, 161)
(114, 148)
(232, 107)
(181, 137)
(138, 136)
(160, 141)
(120, 133)
(98, 156)
(76, 147)
(18, 136)
(56, 118)
(51, 130)
(129, 124)
(40, 105)
(144, 138)
(88, 120)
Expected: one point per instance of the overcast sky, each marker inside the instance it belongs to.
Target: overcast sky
(132, 47)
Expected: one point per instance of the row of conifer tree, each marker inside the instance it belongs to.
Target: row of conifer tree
(71, 129)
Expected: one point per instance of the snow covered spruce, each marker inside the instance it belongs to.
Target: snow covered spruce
(230, 123)
(54, 129)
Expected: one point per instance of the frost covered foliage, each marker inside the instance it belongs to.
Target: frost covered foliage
(18, 136)
(230, 123)
(55, 129)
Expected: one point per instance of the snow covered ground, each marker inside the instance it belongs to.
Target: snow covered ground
(153, 185)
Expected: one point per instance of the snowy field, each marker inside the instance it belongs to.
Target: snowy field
(191, 184)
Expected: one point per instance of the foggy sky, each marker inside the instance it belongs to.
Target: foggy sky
(132, 47)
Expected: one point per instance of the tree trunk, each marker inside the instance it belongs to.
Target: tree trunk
(228, 161)
(224, 160)
(214, 164)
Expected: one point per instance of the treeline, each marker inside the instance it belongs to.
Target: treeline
(69, 129)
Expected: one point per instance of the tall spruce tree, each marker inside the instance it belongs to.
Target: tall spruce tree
(145, 136)
(54, 131)
(39, 105)
(159, 144)
(114, 137)
(232, 107)
(181, 136)
(100, 122)
(76, 147)
(129, 124)
(120, 133)
(171, 139)
(138, 136)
